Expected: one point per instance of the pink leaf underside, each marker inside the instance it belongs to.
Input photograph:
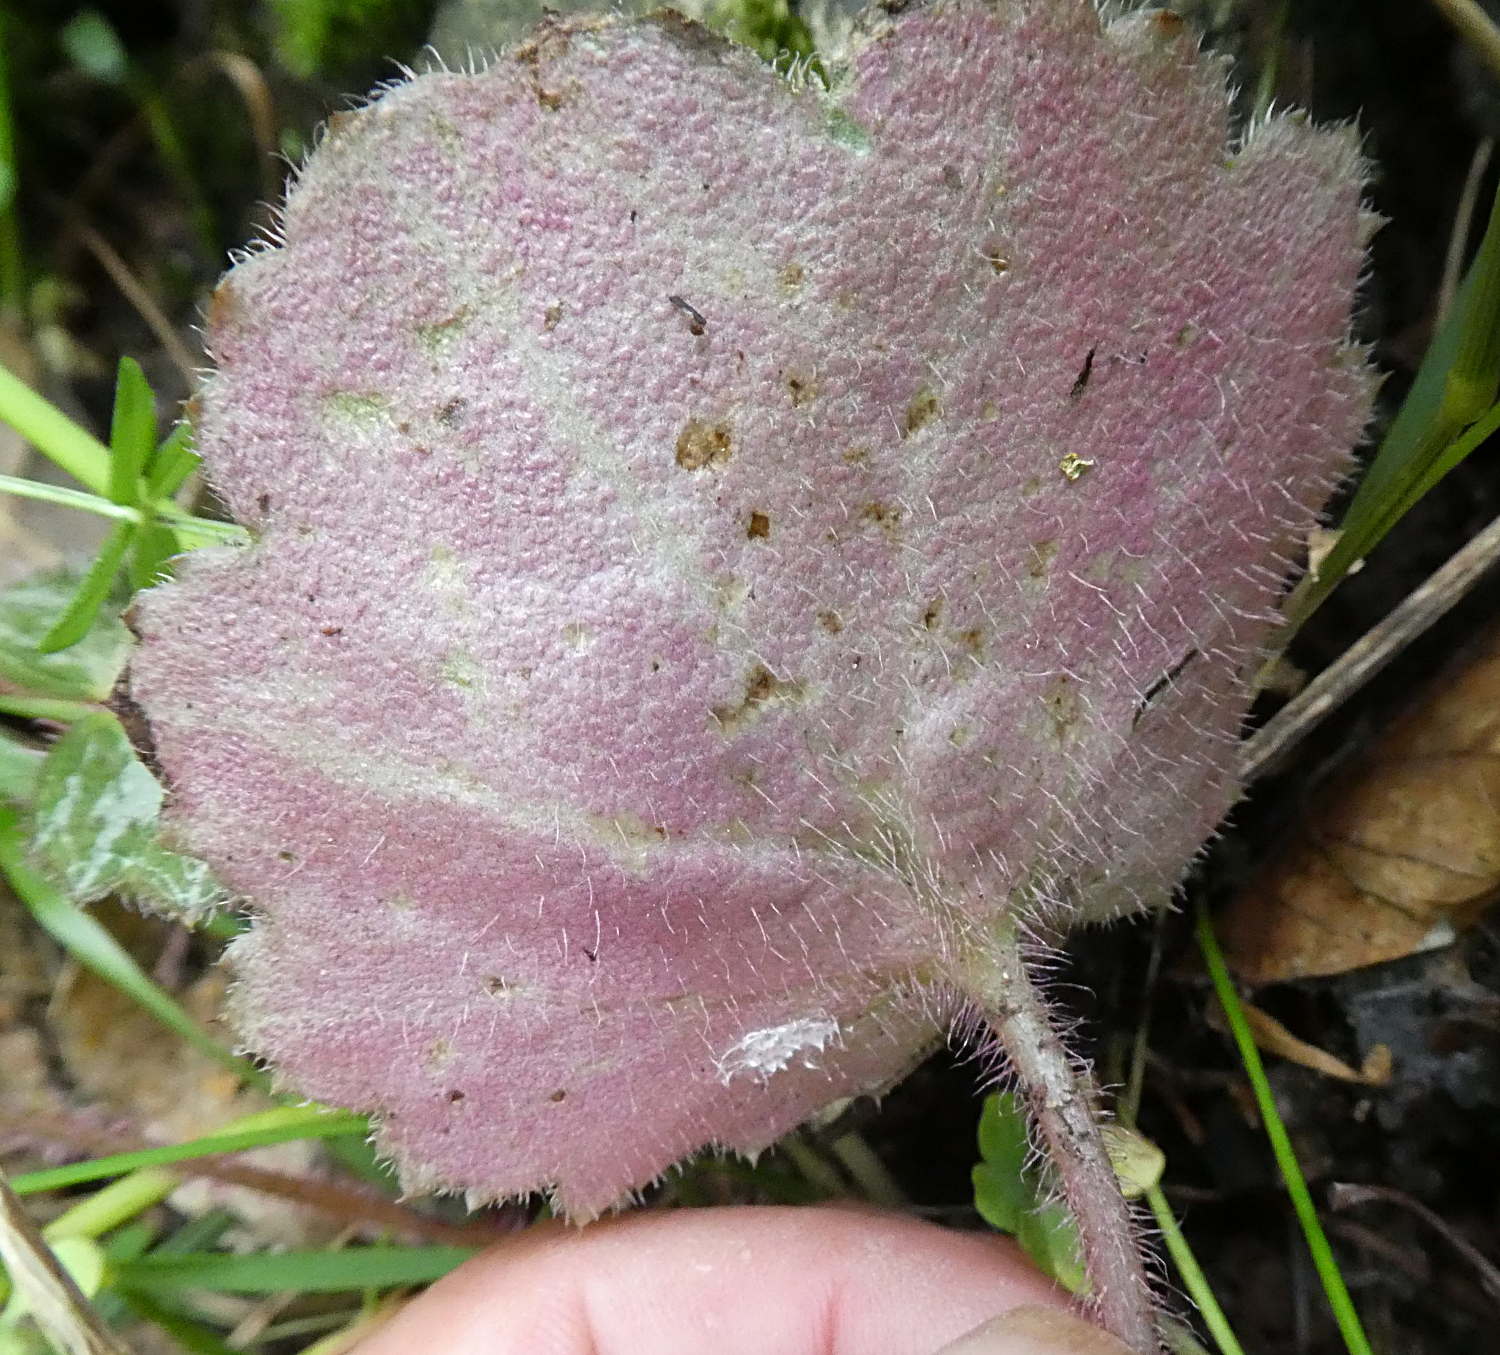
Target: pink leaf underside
(623, 722)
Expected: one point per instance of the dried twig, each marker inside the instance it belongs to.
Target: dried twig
(55, 1302)
(139, 297)
(1369, 654)
(1345, 1195)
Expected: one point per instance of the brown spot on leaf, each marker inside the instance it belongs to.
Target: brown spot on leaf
(455, 1097)
(1064, 706)
(759, 526)
(800, 388)
(703, 444)
(549, 43)
(761, 687)
(1041, 557)
(451, 415)
(856, 456)
(222, 306)
(792, 276)
(952, 179)
(972, 640)
(558, 1096)
(831, 622)
(439, 331)
(997, 256)
(552, 316)
(933, 610)
(883, 515)
(922, 410)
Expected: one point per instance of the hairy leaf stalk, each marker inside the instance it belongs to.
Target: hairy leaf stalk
(1063, 1098)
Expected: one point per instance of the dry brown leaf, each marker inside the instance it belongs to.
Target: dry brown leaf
(81, 1064)
(1276, 1039)
(1397, 855)
(119, 1056)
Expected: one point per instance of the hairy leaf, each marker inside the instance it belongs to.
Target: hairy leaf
(94, 825)
(722, 547)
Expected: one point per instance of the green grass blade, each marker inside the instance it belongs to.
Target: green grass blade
(80, 614)
(1194, 1281)
(117, 1203)
(65, 497)
(189, 1335)
(284, 1125)
(53, 434)
(202, 1233)
(132, 433)
(94, 948)
(1456, 385)
(306, 1272)
(1327, 1267)
(88, 461)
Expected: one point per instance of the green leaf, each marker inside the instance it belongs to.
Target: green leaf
(1455, 389)
(52, 433)
(1049, 1236)
(94, 825)
(1002, 1191)
(132, 433)
(150, 561)
(1003, 1141)
(19, 768)
(84, 672)
(94, 948)
(1000, 1197)
(82, 612)
(96, 808)
(166, 470)
(306, 1272)
(324, 37)
(1009, 1195)
(172, 463)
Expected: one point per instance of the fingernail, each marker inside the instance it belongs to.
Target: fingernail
(1036, 1331)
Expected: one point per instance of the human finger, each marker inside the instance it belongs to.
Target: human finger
(740, 1281)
